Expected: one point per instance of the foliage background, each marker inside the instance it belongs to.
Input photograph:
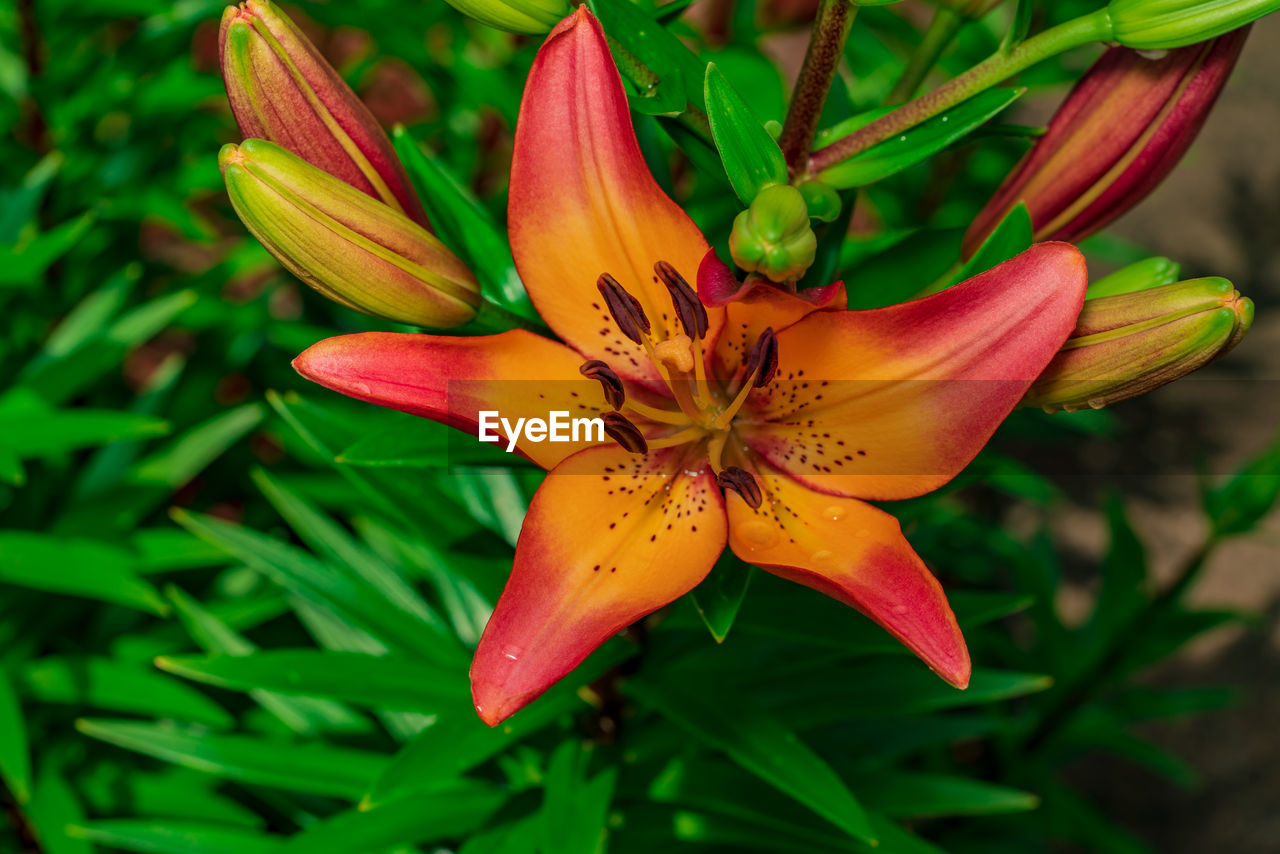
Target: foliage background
(144, 367)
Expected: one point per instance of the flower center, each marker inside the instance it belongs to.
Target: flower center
(704, 407)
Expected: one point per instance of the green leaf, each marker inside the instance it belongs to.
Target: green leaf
(574, 807)
(719, 597)
(323, 585)
(169, 549)
(1239, 504)
(189, 454)
(104, 683)
(912, 146)
(56, 432)
(15, 757)
(458, 740)
(24, 265)
(173, 836)
(909, 795)
(311, 767)
(464, 225)
(77, 568)
(435, 812)
(333, 543)
(301, 714)
(383, 681)
(1011, 237)
(52, 808)
(760, 744)
(751, 158)
(679, 71)
(420, 443)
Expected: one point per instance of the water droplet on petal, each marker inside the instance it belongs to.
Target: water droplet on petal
(835, 512)
(823, 559)
(900, 610)
(512, 653)
(759, 535)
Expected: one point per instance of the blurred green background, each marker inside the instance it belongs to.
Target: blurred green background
(235, 609)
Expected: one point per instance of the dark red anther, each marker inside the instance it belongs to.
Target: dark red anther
(690, 310)
(626, 434)
(763, 359)
(742, 482)
(614, 394)
(626, 309)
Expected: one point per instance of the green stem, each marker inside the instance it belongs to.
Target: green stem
(942, 29)
(826, 46)
(998, 67)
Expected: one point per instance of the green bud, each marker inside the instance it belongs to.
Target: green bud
(349, 247)
(530, 17)
(822, 200)
(1164, 24)
(1128, 344)
(1139, 276)
(772, 237)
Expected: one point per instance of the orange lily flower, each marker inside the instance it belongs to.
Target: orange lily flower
(725, 430)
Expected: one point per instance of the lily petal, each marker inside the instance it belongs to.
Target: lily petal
(856, 554)
(583, 201)
(892, 403)
(610, 537)
(451, 380)
(752, 307)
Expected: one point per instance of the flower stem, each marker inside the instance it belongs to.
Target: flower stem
(826, 46)
(942, 29)
(998, 67)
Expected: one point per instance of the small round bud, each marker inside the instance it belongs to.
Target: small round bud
(772, 237)
(822, 200)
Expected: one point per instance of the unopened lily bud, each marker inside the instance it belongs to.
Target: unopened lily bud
(281, 89)
(1164, 24)
(971, 9)
(1120, 132)
(1139, 276)
(1129, 344)
(772, 236)
(349, 247)
(530, 17)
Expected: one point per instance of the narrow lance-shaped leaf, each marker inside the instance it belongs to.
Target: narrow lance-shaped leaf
(751, 158)
(315, 768)
(761, 745)
(912, 146)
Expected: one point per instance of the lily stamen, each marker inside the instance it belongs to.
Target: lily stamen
(626, 310)
(621, 430)
(742, 482)
(614, 393)
(693, 319)
(759, 370)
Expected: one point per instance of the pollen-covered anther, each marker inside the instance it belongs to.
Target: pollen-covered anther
(626, 434)
(742, 482)
(675, 354)
(762, 361)
(625, 309)
(614, 393)
(689, 308)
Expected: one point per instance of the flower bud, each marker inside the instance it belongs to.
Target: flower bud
(281, 89)
(1164, 24)
(530, 17)
(772, 236)
(349, 247)
(1122, 129)
(1131, 343)
(971, 9)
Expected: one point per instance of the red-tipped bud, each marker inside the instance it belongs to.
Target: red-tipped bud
(1122, 129)
(281, 89)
